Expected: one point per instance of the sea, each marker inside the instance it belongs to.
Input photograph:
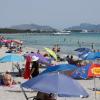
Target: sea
(67, 42)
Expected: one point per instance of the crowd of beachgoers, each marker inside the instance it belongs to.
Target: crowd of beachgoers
(13, 73)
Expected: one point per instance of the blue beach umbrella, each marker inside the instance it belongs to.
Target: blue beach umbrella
(91, 56)
(12, 58)
(81, 72)
(56, 83)
(82, 49)
(68, 68)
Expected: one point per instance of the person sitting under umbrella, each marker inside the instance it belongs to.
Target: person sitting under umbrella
(45, 96)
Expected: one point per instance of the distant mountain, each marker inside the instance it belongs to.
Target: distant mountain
(85, 26)
(32, 27)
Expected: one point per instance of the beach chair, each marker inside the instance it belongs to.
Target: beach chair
(27, 98)
(39, 96)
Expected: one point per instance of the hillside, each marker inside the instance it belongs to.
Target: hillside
(32, 27)
(85, 26)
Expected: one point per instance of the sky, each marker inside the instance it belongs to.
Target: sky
(55, 13)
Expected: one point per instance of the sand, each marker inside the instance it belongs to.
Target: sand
(15, 93)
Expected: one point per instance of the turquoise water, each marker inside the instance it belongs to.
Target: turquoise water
(66, 42)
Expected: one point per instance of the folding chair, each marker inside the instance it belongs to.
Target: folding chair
(39, 96)
(27, 98)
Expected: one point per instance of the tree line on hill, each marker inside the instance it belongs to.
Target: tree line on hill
(7, 30)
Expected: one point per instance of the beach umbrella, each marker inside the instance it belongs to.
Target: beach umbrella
(17, 41)
(67, 68)
(12, 58)
(81, 72)
(82, 54)
(6, 41)
(87, 71)
(82, 49)
(52, 53)
(40, 56)
(56, 83)
(90, 56)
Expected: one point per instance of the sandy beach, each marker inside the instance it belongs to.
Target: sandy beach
(15, 93)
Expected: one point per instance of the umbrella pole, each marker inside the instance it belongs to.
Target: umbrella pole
(94, 87)
(56, 96)
(12, 67)
(13, 70)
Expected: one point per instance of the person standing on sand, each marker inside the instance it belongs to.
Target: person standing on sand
(35, 66)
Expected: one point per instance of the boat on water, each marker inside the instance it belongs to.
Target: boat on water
(62, 33)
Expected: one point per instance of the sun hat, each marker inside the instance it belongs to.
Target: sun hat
(34, 58)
